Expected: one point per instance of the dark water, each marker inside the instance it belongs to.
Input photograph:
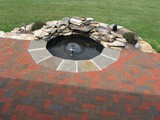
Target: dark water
(74, 47)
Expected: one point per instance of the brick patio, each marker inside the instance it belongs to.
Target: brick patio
(129, 89)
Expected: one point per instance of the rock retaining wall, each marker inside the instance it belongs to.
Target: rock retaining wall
(105, 34)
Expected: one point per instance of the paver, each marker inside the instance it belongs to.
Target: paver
(126, 90)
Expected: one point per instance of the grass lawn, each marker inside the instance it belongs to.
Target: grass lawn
(140, 16)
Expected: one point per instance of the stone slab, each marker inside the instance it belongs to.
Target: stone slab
(87, 65)
(68, 66)
(40, 55)
(113, 53)
(102, 61)
(34, 45)
(52, 62)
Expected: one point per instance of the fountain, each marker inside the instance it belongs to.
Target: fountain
(74, 47)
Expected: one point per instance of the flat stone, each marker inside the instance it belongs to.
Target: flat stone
(68, 66)
(51, 23)
(94, 24)
(29, 27)
(67, 34)
(146, 47)
(34, 45)
(2, 33)
(79, 18)
(8, 35)
(95, 37)
(16, 30)
(102, 30)
(87, 65)
(65, 21)
(50, 30)
(121, 40)
(103, 38)
(27, 37)
(113, 53)
(40, 33)
(52, 62)
(103, 24)
(116, 44)
(84, 28)
(88, 21)
(18, 37)
(66, 30)
(40, 55)
(103, 61)
(76, 21)
(108, 36)
(104, 44)
(137, 45)
(116, 35)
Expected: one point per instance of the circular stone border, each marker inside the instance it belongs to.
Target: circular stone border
(42, 56)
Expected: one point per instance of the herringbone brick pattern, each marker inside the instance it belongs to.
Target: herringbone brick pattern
(127, 90)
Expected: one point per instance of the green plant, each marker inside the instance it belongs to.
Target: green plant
(37, 25)
(130, 37)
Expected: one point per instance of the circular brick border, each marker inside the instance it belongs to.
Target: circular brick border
(42, 56)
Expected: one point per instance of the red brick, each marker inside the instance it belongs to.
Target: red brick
(116, 98)
(129, 108)
(14, 117)
(101, 98)
(108, 113)
(29, 109)
(23, 93)
(84, 117)
(129, 97)
(47, 103)
(156, 118)
(67, 118)
(6, 107)
(89, 106)
(70, 99)
(141, 107)
(111, 77)
(41, 116)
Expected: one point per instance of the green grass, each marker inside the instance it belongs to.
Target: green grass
(140, 16)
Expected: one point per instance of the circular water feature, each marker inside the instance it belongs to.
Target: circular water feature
(74, 47)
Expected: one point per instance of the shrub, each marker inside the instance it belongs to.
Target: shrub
(38, 25)
(130, 37)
